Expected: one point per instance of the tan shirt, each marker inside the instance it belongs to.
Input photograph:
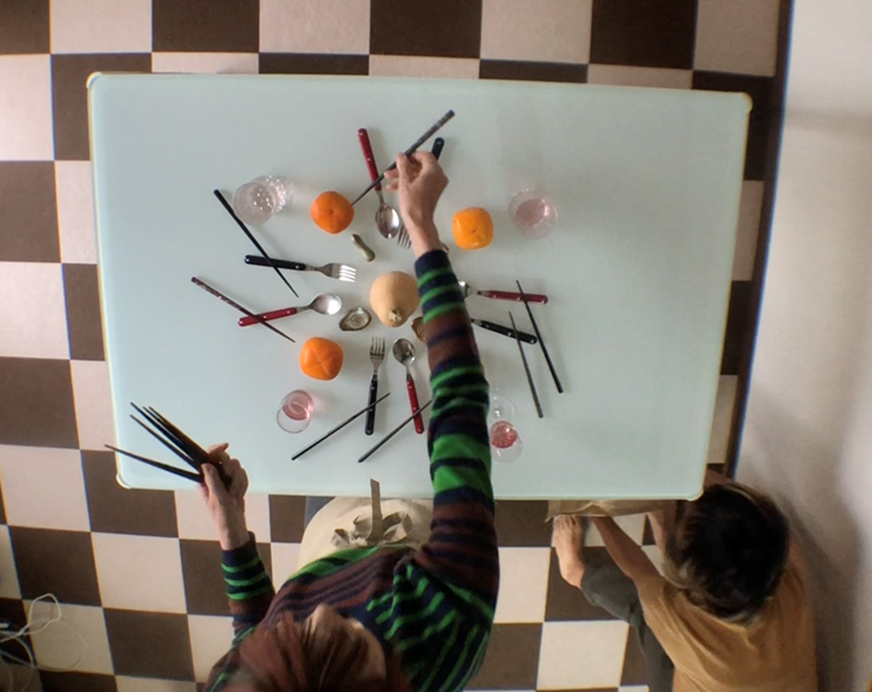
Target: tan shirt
(774, 653)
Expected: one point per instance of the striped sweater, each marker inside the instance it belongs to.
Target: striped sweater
(432, 608)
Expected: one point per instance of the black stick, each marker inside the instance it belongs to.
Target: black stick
(527, 370)
(408, 152)
(251, 237)
(541, 340)
(392, 433)
(220, 296)
(339, 427)
(190, 475)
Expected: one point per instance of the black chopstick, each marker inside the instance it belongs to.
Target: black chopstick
(339, 427)
(411, 150)
(393, 432)
(251, 237)
(181, 455)
(527, 369)
(196, 452)
(190, 475)
(215, 292)
(541, 340)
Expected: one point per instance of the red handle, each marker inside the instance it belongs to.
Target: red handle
(363, 136)
(271, 315)
(413, 400)
(508, 295)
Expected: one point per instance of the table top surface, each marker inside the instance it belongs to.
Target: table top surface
(646, 183)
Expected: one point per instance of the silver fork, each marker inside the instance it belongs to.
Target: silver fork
(376, 356)
(403, 239)
(334, 270)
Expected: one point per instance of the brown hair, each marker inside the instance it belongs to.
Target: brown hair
(728, 550)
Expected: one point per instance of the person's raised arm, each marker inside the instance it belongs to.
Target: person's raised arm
(249, 588)
(626, 553)
(462, 549)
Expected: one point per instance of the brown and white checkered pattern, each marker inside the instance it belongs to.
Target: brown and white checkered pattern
(137, 571)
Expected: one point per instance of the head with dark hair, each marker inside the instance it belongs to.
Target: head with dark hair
(728, 550)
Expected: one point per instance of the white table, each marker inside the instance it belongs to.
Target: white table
(647, 184)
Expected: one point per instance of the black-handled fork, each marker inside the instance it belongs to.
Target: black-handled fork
(376, 356)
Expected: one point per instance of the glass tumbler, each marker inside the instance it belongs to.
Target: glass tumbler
(533, 215)
(257, 201)
(505, 442)
(295, 412)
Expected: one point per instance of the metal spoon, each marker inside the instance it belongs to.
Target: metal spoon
(387, 220)
(324, 303)
(404, 352)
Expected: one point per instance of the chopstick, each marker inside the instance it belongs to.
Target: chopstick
(541, 340)
(190, 475)
(251, 237)
(215, 292)
(527, 369)
(339, 427)
(393, 432)
(411, 150)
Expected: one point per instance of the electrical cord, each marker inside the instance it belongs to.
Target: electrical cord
(8, 634)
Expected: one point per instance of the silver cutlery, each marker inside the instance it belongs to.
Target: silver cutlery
(376, 357)
(343, 272)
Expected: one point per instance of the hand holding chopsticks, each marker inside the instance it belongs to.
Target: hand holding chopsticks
(172, 437)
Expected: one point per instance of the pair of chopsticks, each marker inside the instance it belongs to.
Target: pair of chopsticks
(171, 437)
(408, 152)
(544, 352)
(239, 222)
(393, 432)
(339, 427)
(232, 303)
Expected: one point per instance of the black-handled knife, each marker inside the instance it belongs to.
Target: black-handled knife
(283, 264)
(505, 331)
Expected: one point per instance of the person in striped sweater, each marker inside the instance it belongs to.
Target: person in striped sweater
(382, 617)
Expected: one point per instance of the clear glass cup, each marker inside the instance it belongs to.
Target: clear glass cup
(532, 213)
(257, 201)
(506, 444)
(295, 411)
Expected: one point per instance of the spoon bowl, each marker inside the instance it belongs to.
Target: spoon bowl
(326, 304)
(404, 352)
(387, 220)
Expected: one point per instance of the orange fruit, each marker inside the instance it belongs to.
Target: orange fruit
(332, 212)
(473, 228)
(321, 359)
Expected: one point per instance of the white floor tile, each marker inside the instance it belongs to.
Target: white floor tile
(314, 26)
(211, 63)
(33, 318)
(546, 31)
(523, 584)
(624, 75)
(25, 108)
(285, 562)
(79, 641)
(128, 684)
(153, 564)
(8, 574)
(722, 422)
(750, 208)
(211, 637)
(100, 26)
(408, 66)
(43, 488)
(93, 397)
(738, 36)
(75, 199)
(579, 655)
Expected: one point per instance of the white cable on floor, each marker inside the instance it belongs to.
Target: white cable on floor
(29, 630)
